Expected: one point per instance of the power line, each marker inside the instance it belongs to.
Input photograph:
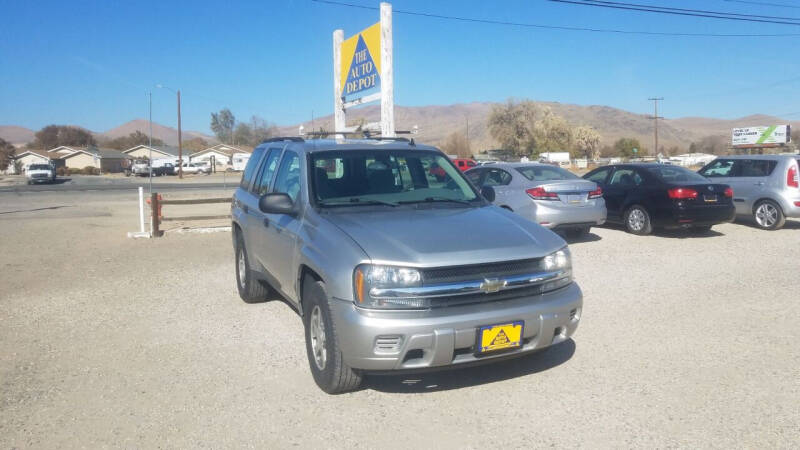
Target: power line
(674, 11)
(555, 27)
(779, 5)
(702, 11)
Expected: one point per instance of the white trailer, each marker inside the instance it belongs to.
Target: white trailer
(240, 161)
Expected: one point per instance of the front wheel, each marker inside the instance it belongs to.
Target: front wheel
(769, 215)
(328, 368)
(637, 221)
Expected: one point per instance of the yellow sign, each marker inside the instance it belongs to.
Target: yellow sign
(361, 61)
(498, 337)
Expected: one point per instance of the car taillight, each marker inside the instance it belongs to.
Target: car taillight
(538, 193)
(729, 192)
(597, 193)
(682, 193)
(791, 177)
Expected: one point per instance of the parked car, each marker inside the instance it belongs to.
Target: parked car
(40, 173)
(464, 164)
(648, 195)
(372, 253)
(548, 195)
(193, 168)
(765, 187)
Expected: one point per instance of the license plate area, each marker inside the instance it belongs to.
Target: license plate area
(710, 198)
(503, 336)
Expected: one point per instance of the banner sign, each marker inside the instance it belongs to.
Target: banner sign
(361, 61)
(758, 136)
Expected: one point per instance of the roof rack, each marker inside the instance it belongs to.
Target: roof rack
(284, 138)
(366, 134)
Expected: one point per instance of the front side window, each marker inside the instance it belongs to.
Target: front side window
(545, 173)
(288, 179)
(361, 177)
(718, 168)
(625, 178)
(249, 170)
(261, 187)
(496, 177)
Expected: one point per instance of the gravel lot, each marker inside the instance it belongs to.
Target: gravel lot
(113, 342)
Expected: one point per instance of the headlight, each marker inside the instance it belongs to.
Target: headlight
(560, 261)
(369, 280)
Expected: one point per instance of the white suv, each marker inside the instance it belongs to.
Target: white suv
(40, 173)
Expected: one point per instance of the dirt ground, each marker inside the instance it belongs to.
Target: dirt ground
(107, 341)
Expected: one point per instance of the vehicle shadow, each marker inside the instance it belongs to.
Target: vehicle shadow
(588, 237)
(458, 378)
(61, 180)
(672, 233)
(789, 225)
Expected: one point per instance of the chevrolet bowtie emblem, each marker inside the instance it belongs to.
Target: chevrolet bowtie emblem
(492, 285)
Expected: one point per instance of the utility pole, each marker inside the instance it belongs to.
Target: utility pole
(468, 149)
(180, 141)
(150, 144)
(655, 118)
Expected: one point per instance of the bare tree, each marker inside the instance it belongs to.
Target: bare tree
(527, 128)
(587, 142)
(222, 124)
(457, 144)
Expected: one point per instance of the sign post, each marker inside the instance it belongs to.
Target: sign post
(363, 62)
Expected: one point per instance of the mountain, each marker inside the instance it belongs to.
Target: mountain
(16, 135)
(167, 134)
(437, 122)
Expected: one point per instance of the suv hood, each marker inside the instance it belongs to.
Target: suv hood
(35, 171)
(433, 237)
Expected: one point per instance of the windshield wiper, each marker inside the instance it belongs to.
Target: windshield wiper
(359, 201)
(439, 199)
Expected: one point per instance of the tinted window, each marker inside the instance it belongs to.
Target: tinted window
(250, 169)
(474, 176)
(496, 177)
(756, 167)
(288, 178)
(544, 173)
(625, 178)
(675, 174)
(719, 168)
(261, 186)
(365, 177)
(599, 176)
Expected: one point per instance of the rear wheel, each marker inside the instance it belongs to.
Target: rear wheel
(637, 221)
(250, 289)
(768, 215)
(328, 368)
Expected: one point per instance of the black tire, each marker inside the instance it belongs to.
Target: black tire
(577, 233)
(250, 289)
(700, 229)
(768, 215)
(637, 221)
(334, 376)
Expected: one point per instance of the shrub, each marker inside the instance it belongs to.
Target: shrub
(90, 170)
(62, 171)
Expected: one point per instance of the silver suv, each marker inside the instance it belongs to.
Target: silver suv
(765, 187)
(394, 260)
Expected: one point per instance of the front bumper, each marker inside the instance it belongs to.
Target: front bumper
(401, 340)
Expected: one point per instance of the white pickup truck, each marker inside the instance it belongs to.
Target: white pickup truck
(40, 173)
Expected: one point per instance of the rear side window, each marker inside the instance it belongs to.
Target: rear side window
(719, 168)
(756, 167)
(497, 177)
(625, 178)
(544, 173)
(250, 169)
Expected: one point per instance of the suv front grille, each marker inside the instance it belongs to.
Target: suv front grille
(479, 271)
(458, 300)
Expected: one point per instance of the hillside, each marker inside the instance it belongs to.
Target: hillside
(437, 122)
(16, 135)
(167, 134)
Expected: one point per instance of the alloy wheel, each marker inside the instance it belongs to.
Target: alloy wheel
(242, 269)
(766, 215)
(317, 334)
(636, 220)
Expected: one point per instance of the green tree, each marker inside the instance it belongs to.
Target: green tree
(222, 124)
(243, 134)
(6, 154)
(715, 145)
(457, 144)
(624, 147)
(131, 140)
(53, 136)
(528, 128)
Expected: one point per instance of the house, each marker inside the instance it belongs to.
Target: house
(158, 152)
(24, 158)
(106, 159)
(221, 154)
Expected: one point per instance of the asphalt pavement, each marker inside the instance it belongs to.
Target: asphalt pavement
(83, 183)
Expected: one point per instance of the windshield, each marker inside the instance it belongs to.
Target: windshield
(544, 173)
(386, 177)
(39, 167)
(675, 174)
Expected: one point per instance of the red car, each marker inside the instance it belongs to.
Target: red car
(464, 164)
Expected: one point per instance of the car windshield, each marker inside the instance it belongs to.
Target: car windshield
(544, 173)
(39, 167)
(386, 177)
(675, 174)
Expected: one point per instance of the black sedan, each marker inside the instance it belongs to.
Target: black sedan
(644, 196)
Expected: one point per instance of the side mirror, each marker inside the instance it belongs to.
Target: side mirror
(276, 203)
(488, 193)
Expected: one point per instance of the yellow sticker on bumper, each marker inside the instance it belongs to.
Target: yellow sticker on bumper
(498, 337)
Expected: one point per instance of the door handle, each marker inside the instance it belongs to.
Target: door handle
(266, 222)
(760, 183)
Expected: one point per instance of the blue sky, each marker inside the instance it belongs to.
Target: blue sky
(91, 63)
